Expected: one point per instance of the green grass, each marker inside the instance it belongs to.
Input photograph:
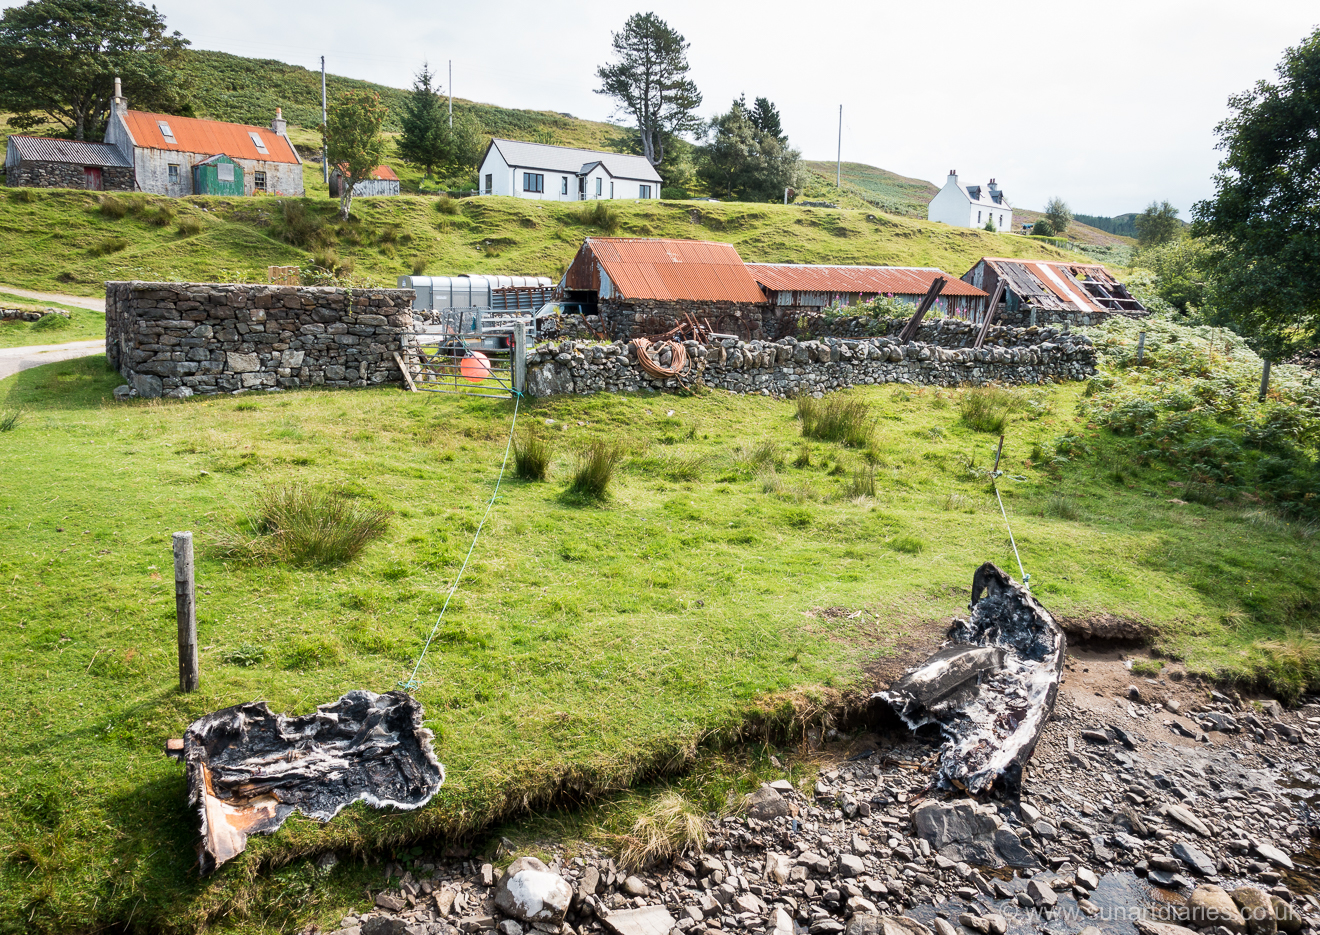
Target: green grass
(591, 645)
(57, 242)
(81, 325)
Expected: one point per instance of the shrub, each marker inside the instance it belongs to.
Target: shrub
(836, 419)
(113, 207)
(599, 214)
(595, 469)
(1043, 228)
(190, 226)
(53, 322)
(108, 246)
(531, 456)
(986, 408)
(302, 526)
(446, 205)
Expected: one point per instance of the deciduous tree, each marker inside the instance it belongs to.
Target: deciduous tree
(353, 140)
(59, 60)
(1059, 215)
(650, 82)
(1264, 211)
(1157, 224)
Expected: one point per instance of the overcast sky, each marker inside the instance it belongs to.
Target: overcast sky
(1108, 105)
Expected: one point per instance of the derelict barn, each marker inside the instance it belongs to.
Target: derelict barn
(807, 288)
(38, 162)
(1037, 292)
(631, 287)
(382, 182)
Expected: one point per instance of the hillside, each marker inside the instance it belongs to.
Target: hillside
(73, 241)
(895, 193)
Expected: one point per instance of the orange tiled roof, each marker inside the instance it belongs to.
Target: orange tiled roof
(208, 137)
(674, 269)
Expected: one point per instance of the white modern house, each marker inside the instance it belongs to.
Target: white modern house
(560, 173)
(970, 205)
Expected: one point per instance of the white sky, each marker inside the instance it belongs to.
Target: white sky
(1108, 105)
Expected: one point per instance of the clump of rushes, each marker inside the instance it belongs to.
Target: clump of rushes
(836, 419)
(595, 470)
(299, 525)
(667, 828)
(987, 408)
(531, 456)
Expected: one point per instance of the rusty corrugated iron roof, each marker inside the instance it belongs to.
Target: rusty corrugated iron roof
(670, 269)
(898, 280)
(209, 137)
(1083, 287)
(79, 152)
(380, 173)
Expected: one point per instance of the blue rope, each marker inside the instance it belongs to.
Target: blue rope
(412, 682)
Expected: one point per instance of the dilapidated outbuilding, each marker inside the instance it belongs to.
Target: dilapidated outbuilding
(1037, 292)
(41, 162)
(382, 181)
(807, 287)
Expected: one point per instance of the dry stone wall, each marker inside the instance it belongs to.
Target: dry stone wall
(177, 339)
(66, 175)
(790, 367)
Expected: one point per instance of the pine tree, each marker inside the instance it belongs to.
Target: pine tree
(424, 141)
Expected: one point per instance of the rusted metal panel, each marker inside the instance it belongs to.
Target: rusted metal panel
(1078, 287)
(857, 280)
(208, 136)
(663, 269)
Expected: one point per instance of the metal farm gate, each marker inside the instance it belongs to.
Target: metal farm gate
(468, 352)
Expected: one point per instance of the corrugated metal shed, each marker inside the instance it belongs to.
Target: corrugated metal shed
(77, 152)
(520, 155)
(191, 135)
(878, 280)
(670, 270)
(1056, 286)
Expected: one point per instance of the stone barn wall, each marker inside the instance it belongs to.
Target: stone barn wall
(66, 175)
(789, 367)
(177, 339)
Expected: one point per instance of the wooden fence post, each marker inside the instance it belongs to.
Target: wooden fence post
(185, 609)
(1265, 380)
(519, 355)
(1141, 347)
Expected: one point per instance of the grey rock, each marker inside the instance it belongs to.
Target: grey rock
(383, 925)
(549, 379)
(1185, 818)
(588, 882)
(1087, 878)
(1194, 858)
(1010, 850)
(636, 886)
(884, 925)
(747, 902)
(123, 392)
(1147, 927)
(649, 920)
(148, 386)
(1042, 895)
(391, 903)
(777, 868)
(766, 804)
(179, 392)
(509, 927)
(241, 363)
(1285, 917)
(529, 892)
(781, 923)
(1096, 737)
(1272, 854)
(851, 865)
(1257, 910)
(942, 927)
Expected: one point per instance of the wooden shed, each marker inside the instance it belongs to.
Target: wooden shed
(218, 175)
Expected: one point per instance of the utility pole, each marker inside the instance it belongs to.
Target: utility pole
(451, 94)
(838, 165)
(325, 161)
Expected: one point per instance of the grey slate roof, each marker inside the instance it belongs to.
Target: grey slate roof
(41, 149)
(573, 161)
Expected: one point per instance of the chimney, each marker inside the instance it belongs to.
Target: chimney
(120, 105)
(993, 186)
(279, 123)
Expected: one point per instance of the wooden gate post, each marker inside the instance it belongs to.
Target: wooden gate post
(1265, 380)
(1141, 347)
(519, 356)
(185, 609)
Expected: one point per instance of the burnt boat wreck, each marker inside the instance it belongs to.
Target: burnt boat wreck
(990, 689)
(249, 769)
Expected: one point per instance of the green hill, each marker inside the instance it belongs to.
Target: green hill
(887, 190)
(72, 241)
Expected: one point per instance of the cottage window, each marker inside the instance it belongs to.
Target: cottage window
(166, 132)
(225, 172)
(259, 181)
(599, 180)
(490, 183)
(1001, 220)
(643, 191)
(174, 174)
(533, 182)
(563, 185)
(261, 146)
(978, 217)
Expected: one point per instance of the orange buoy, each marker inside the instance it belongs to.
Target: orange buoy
(475, 367)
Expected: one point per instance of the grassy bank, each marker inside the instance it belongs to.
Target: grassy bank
(81, 325)
(73, 241)
(591, 643)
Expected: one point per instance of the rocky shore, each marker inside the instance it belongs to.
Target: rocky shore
(1155, 806)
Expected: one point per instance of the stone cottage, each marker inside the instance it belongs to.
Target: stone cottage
(39, 162)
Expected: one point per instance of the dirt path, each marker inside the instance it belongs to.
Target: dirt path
(14, 359)
(77, 301)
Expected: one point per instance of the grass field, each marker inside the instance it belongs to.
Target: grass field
(70, 241)
(589, 646)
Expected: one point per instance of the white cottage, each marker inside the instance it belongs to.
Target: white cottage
(163, 150)
(971, 205)
(560, 173)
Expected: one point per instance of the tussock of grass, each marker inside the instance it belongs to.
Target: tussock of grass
(108, 246)
(954, 502)
(446, 205)
(764, 455)
(863, 483)
(299, 525)
(9, 420)
(532, 454)
(1293, 662)
(987, 408)
(836, 418)
(596, 464)
(674, 466)
(53, 323)
(599, 214)
(419, 265)
(190, 226)
(112, 207)
(667, 828)
(911, 545)
(163, 216)
(1063, 506)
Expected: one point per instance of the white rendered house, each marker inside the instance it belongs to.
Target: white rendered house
(560, 173)
(971, 205)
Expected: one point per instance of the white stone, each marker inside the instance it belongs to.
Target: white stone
(649, 920)
(530, 892)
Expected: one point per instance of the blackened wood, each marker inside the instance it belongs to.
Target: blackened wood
(910, 329)
(990, 314)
